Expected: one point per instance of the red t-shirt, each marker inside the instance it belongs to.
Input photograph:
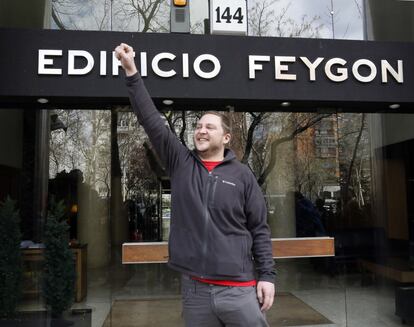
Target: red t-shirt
(210, 165)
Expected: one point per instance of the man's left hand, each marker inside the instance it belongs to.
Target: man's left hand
(265, 294)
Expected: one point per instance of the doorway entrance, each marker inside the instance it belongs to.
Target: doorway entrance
(324, 155)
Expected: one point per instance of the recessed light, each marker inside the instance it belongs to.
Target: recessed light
(42, 100)
(167, 102)
(394, 106)
(285, 104)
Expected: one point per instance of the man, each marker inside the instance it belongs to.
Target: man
(219, 238)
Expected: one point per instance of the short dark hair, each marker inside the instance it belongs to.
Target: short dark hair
(225, 120)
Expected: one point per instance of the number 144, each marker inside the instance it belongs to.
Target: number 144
(227, 17)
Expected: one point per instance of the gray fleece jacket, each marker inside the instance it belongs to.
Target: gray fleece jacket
(218, 219)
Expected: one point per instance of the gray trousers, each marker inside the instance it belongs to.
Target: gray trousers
(206, 305)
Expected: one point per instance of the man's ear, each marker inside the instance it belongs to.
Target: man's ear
(227, 138)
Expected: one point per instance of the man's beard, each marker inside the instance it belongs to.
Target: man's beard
(210, 151)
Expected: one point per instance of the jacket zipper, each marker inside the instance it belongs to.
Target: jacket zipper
(211, 180)
(206, 223)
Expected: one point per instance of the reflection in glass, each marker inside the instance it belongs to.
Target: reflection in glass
(101, 15)
(345, 175)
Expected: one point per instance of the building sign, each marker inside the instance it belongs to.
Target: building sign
(79, 70)
(228, 17)
(335, 69)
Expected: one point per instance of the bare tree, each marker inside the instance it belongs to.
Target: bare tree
(177, 121)
(151, 15)
(300, 122)
(311, 171)
(257, 118)
(334, 16)
(262, 17)
(264, 21)
(353, 142)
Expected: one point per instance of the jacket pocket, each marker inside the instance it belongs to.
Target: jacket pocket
(227, 194)
(227, 256)
(182, 247)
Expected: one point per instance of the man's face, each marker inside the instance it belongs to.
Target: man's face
(209, 136)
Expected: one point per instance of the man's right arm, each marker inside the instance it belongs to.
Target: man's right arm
(166, 144)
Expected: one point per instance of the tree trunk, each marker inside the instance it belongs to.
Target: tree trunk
(119, 223)
(351, 165)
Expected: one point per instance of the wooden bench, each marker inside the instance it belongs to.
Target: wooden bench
(301, 247)
(395, 269)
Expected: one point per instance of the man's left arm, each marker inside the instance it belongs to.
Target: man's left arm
(256, 211)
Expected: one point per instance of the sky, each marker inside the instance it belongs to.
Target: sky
(347, 17)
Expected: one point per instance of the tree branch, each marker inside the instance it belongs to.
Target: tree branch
(351, 165)
(183, 128)
(249, 141)
(274, 145)
(57, 19)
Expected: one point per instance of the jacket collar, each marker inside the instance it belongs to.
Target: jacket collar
(228, 155)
